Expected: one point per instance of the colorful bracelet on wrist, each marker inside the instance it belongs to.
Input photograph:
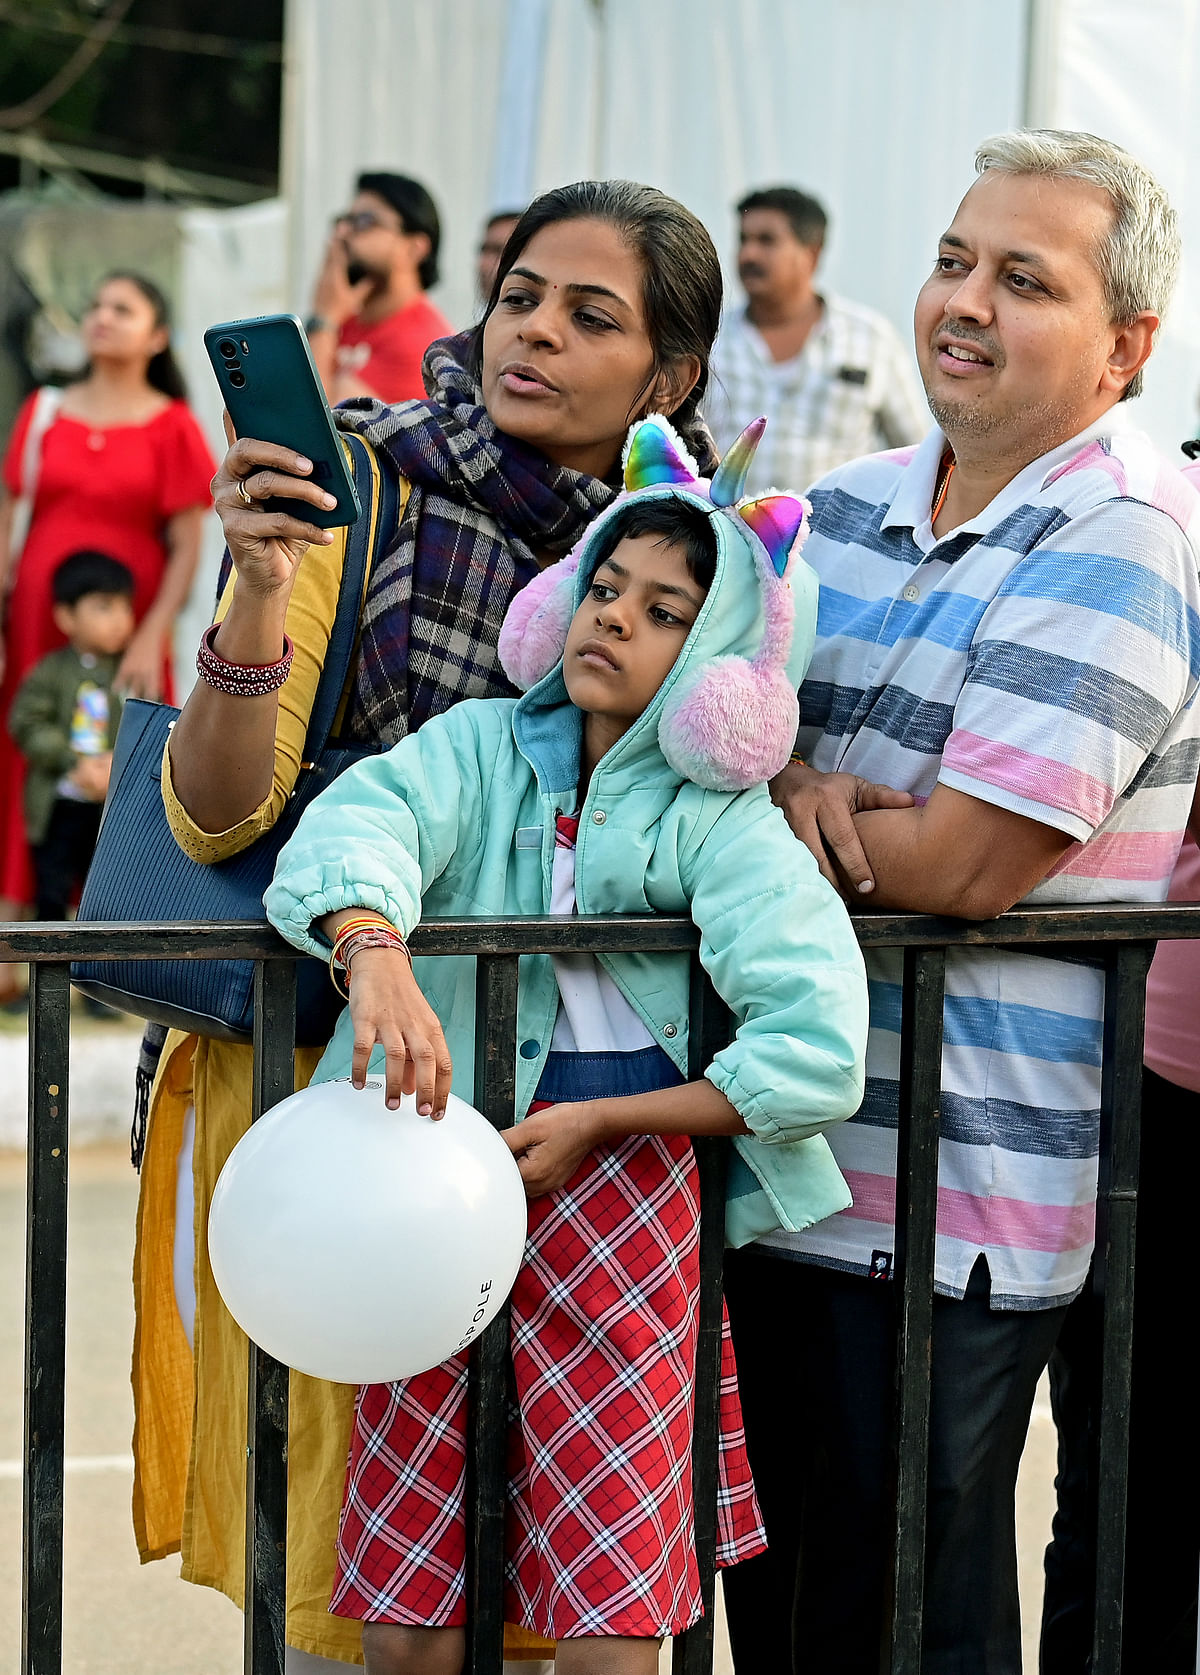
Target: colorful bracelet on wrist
(797, 759)
(360, 922)
(241, 680)
(363, 930)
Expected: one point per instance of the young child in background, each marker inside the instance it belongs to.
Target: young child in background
(662, 667)
(64, 720)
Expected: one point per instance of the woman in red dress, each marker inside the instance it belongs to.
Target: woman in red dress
(124, 468)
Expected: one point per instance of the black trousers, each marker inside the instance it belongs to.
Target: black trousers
(61, 860)
(815, 1368)
(1162, 1552)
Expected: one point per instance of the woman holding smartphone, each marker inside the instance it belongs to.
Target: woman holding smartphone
(605, 306)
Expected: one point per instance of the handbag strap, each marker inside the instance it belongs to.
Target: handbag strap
(379, 496)
(45, 410)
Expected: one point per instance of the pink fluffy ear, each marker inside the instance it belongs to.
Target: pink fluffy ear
(731, 727)
(535, 625)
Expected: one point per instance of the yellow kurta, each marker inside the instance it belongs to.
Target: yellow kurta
(190, 1411)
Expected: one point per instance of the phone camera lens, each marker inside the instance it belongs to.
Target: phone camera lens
(227, 347)
(231, 364)
(237, 379)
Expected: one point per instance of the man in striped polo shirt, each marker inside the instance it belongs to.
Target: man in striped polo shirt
(999, 709)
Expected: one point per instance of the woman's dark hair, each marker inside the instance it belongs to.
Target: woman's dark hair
(681, 286)
(163, 371)
(677, 523)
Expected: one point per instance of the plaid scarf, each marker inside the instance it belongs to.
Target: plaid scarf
(480, 504)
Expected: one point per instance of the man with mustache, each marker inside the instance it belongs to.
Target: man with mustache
(1000, 708)
(833, 378)
(371, 321)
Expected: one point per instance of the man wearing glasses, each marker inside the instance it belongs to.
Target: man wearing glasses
(371, 320)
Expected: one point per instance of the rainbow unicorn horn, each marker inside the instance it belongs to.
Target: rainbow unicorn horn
(729, 481)
(776, 519)
(654, 454)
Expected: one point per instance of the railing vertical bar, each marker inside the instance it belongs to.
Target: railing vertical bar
(267, 1394)
(916, 1219)
(708, 1032)
(487, 1383)
(1113, 1272)
(45, 1319)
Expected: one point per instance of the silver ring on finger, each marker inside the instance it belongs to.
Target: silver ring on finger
(244, 495)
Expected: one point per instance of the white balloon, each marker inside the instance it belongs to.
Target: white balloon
(364, 1245)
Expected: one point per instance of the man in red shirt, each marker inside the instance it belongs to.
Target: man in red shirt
(371, 321)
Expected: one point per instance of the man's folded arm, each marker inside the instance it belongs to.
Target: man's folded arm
(957, 855)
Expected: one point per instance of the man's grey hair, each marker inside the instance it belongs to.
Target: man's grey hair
(1139, 260)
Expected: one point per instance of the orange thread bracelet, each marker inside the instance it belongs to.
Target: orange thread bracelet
(358, 925)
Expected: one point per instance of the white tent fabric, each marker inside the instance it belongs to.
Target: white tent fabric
(875, 107)
(232, 264)
(1139, 84)
(488, 103)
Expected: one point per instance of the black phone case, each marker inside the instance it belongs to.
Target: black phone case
(273, 393)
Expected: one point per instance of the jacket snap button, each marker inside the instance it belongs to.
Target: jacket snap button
(670, 1031)
(530, 1049)
(599, 817)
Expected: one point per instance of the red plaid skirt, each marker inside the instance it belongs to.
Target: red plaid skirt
(600, 1523)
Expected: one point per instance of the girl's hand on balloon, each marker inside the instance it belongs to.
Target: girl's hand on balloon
(387, 1006)
(550, 1145)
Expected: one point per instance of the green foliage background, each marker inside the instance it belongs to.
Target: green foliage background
(193, 82)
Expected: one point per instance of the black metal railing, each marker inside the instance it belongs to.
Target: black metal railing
(1120, 938)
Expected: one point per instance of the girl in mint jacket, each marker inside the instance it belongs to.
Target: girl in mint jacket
(661, 660)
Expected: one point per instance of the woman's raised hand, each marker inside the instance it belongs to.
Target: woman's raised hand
(387, 1006)
(266, 545)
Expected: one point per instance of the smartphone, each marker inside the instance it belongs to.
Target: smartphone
(273, 393)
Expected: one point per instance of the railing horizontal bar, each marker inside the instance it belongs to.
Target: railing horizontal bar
(250, 940)
(620, 933)
(1098, 922)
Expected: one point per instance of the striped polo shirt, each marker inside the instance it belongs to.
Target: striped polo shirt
(1043, 657)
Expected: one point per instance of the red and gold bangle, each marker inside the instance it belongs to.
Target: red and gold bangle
(241, 680)
(797, 759)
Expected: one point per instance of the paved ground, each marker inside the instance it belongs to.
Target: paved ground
(121, 1618)
(103, 1059)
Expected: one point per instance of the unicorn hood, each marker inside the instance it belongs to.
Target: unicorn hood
(726, 715)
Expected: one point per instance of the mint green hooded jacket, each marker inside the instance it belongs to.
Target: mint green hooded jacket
(459, 819)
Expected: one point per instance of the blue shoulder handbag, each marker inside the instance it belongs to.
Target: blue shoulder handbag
(139, 871)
